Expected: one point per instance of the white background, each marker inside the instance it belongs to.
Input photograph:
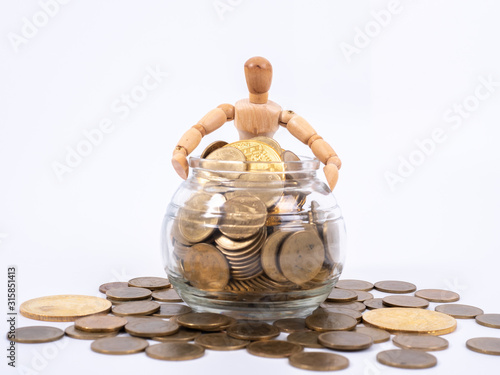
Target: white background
(437, 227)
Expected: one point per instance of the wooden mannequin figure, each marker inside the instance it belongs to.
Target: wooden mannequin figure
(257, 116)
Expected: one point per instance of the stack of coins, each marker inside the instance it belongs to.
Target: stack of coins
(247, 230)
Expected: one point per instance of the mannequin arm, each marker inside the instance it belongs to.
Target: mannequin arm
(212, 121)
(305, 133)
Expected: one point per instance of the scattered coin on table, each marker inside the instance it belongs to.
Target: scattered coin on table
(306, 339)
(437, 295)
(459, 311)
(407, 358)
(361, 285)
(119, 345)
(484, 345)
(273, 348)
(175, 351)
(318, 361)
(394, 286)
(253, 331)
(345, 340)
(405, 301)
(36, 334)
(220, 341)
(136, 308)
(489, 320)
(74, 333)
(151, 283)
(166, 295)
(100, 323)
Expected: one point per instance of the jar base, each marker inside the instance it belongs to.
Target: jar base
(254, 306)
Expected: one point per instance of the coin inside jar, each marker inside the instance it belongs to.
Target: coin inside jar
(224, 159)
(268, 187)
(36, 334)
(319, 361)
(420, 342)
(269, 257)
(175, 351)
(273, 348)
(345, 340)
(220, 341)
(206, 267)
(211, 148)
(199, 217)
(119, 345)
(301, 256)
(243, 216)
(100, 323)
(151, 283)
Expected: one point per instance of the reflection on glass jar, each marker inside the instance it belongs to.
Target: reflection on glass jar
(253, 240)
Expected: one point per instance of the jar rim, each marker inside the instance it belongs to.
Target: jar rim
(306, 164)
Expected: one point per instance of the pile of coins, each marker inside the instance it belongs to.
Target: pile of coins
(334, 327)
(248, 230)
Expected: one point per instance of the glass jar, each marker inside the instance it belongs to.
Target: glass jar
(253, 240)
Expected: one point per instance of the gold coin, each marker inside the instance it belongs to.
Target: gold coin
(253, 331)
(168, 310)
(341, 310)
(290, 325)
(182, 335)
(420, 342)
(175, 351)
(489, 320)
(268, 187)
(405, 301)
(358, 306)
(327, 321)
(128, 294)
(354, 285)
(244, 216)
(407, 358)
(345, 340)
(341, 295)
(269, 257)
(151, 283)
(377, 335)
(199, 216)
(301, 256)
(136, 308)
(63, 308)
(273, 348)
(151, 328)
(307, 339)
(410, 320)
(394, 286)
(459, 311)
(107, 286)
(484, 345)
(36, 334)
(203, 321)
(119, 345)
(437, 295)
(220, 341)
(166, 295)
(319, 361)
(374, 303)
(74, 333)
(211, 148)
(269, 141)
(265, 158)
(206, 267)
(225, 162)
(100, 323)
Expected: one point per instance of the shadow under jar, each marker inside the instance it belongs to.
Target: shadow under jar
(253, 240)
